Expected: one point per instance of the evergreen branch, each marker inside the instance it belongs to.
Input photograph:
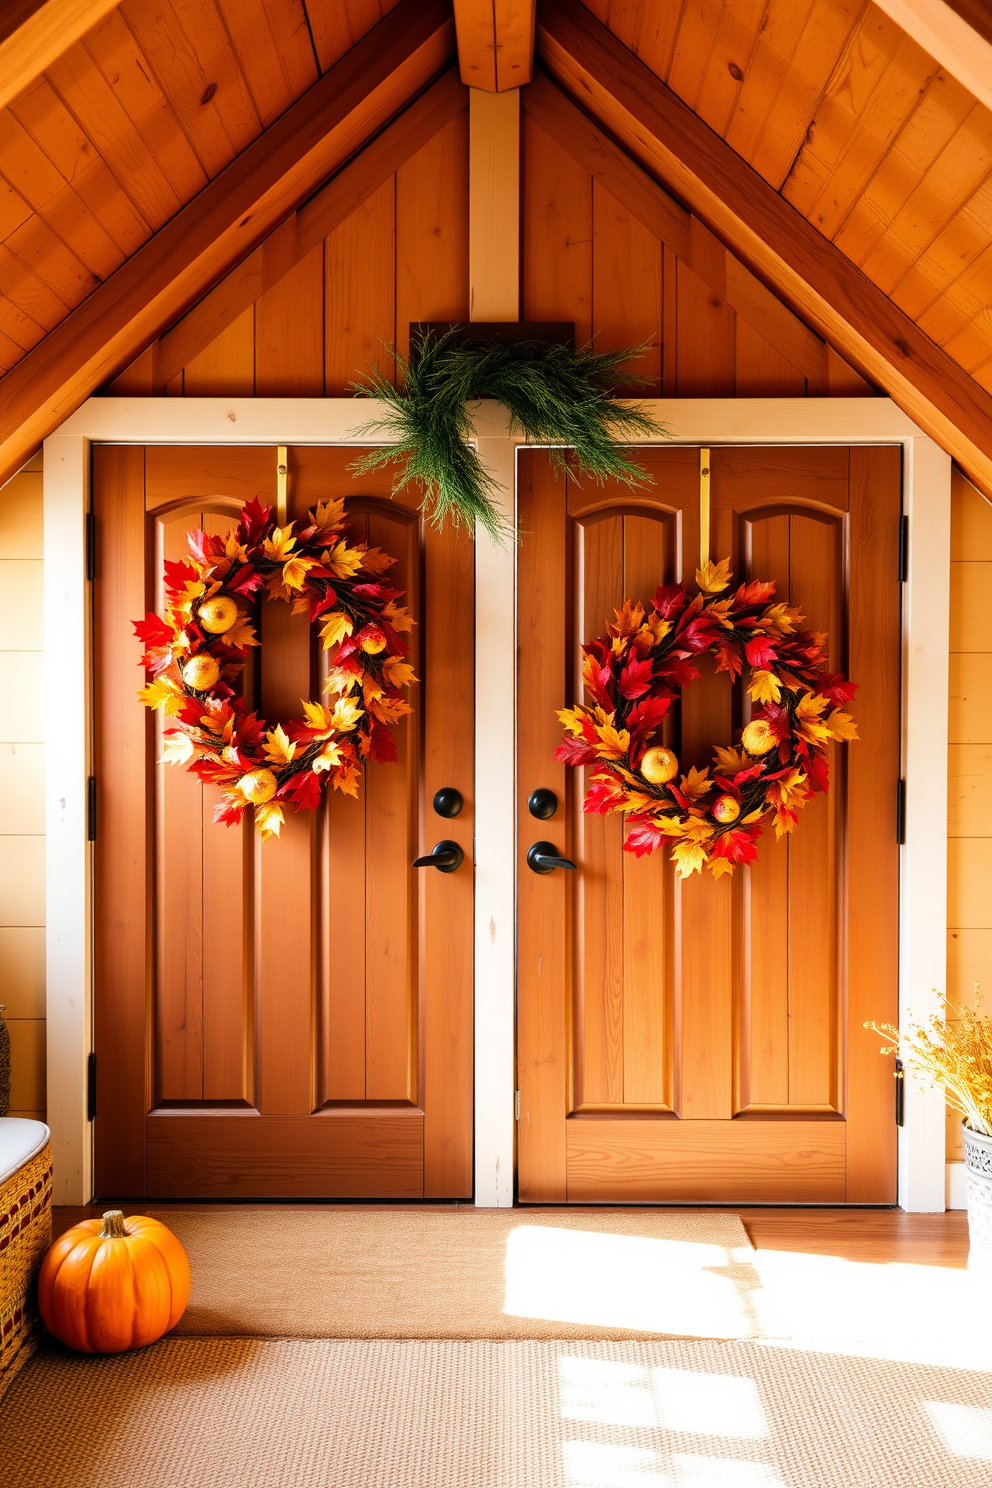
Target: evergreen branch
(554, 395)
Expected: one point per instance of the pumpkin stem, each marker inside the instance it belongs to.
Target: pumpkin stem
(113, 1225)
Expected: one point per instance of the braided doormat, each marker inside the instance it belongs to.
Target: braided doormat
(325, 1273)
(267, 1413)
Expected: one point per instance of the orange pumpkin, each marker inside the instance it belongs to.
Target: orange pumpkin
(113, 1284)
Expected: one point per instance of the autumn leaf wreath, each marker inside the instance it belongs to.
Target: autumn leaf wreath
(632, 676)
(196, 653)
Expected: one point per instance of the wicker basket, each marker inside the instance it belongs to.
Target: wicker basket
(978, 1166)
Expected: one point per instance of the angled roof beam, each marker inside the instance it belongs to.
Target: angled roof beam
(34, 32)
(495, 43)
(769, 235)
(222, 225)
(957, 34)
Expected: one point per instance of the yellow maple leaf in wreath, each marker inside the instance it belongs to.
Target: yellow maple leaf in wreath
(810, 724)
(318, 717)
(630, 618)
(397, 673)
(573, 719)
(279, 546)
(696, 784)
(241, 634)
(375, 561)
(398, 617)
(339, 679)
(719, 866)
(614, 743)
(328, 515)
(688, 857)
(177, 749)
(269, 819)
(343, 562)
(712, 578)
(162, 693)
(334, 629)
(841, 725)
(328, 758)
(278, 748)
(346, 714)
(781, 619)
(295, 570)
(728, 760)
(764, 688)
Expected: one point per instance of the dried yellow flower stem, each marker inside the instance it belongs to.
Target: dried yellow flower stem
(954, 1051)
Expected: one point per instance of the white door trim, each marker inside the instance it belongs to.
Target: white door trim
(275, 421)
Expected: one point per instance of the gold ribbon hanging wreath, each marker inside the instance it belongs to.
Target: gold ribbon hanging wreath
(635, 673)
(195, 655)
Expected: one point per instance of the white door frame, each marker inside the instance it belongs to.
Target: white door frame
(276, 421)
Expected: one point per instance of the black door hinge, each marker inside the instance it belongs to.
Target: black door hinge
(91, 808)
(903, 549)
(91, 1088)
(900, 1094)
(901, 812)
(90, 546)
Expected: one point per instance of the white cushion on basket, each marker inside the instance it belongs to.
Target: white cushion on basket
(20, 1139)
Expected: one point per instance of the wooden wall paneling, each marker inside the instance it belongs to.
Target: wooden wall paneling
(35, 249)
(432, 232)
(225, 368)
(543, 949)
(627, 288)
(762, 372)
(447, 650)
(360, 291)
(22, 286)
(765, 69)
(669, 325)
(273, 49)
(218, 310)
(557, 234)
(137, 380)
(121, 764)
(843, 381)
(495, 43)
(961, 244)
(705, 339)
(872, 771)
(722, 75)
(289, 321)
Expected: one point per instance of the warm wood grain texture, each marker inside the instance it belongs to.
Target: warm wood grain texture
(774, 240)
(33, 34)
(957, 32)
(325, 982)
(494, 205)
(790, 1162)
(270, 176)
(495, 43)
(248, 1156)
(735, 1006)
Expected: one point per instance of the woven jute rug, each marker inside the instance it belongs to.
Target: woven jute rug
(472, 1274)
(293, 1413)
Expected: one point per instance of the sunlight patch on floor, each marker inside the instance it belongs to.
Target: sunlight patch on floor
(966, 1430)
(626, 1281)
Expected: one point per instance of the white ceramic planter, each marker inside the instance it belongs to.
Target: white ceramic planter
(978, 1167)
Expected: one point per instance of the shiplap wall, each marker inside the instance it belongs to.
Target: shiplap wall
(969, 762)
(22, 805)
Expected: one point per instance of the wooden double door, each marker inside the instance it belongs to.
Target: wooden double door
(289, 1018)
(702, 1040)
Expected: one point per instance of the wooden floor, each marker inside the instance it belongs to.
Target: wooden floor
(872, 1235)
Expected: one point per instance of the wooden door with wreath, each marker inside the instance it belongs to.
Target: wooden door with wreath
(288, 1018)
(701, 1039)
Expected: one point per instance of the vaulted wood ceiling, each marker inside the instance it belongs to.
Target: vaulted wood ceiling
(880, 149)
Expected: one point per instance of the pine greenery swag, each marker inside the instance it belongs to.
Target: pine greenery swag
(555, 396)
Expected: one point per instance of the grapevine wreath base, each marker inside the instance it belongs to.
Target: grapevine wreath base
(196, 653)
(712, 817)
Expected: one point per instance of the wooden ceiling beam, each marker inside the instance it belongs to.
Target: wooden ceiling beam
(495, 43)
(34, 32)
(775, 241)
(224, 223)
(342, 195)
(957, 35)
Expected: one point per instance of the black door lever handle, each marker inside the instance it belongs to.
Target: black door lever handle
(543, 857)
(444, 856)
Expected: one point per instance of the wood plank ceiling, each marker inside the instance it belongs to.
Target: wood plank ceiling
(858, 128)
(131, 122)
